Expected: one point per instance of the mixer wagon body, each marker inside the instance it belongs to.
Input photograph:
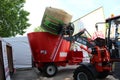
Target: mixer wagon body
(48, 49)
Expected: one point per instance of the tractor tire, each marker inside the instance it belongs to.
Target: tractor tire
(103, 75)
(50, 70)
(82, 73)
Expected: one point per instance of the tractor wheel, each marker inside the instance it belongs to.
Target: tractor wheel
(103, 75)
(50, 70)
(82, 73)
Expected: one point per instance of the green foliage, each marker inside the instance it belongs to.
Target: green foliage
(13, 18)
(39, 29)
(107, 25)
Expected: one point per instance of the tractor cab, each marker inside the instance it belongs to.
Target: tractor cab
(113, 37)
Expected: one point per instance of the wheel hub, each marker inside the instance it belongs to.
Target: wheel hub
(82, 76)
(50, 70)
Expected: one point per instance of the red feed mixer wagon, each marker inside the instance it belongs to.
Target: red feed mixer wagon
(50, 51)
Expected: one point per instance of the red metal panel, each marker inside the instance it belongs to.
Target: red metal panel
(46, 47)
(63, 51)
(75, 57)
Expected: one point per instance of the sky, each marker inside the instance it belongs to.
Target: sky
(77, 8)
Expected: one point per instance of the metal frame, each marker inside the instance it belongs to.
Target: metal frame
(2, 71)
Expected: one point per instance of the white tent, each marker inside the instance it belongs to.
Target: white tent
(21, 51)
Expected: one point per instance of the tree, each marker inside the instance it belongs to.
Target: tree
(13, 18)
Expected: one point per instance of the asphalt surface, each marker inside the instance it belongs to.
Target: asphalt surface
(64, 73)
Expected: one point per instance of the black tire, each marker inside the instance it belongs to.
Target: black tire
(82, 73)
(50, 70)
(41, 70)
(103, 75)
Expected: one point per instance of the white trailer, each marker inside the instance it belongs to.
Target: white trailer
(21, 51)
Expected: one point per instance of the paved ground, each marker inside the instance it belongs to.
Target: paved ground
(63, 74)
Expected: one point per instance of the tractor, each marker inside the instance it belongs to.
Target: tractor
(103, 52)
